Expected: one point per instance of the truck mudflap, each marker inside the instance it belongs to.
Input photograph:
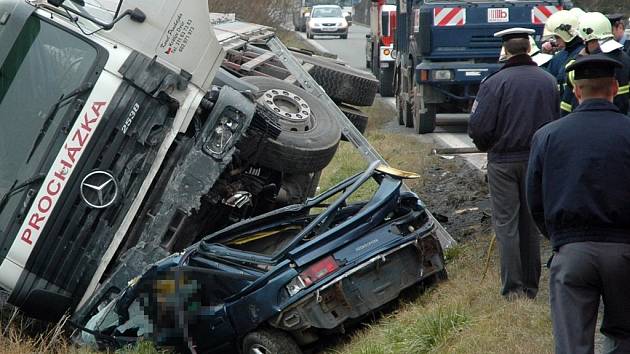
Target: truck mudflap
(365, 288)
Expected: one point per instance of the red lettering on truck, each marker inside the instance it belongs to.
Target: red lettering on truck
(62, 169)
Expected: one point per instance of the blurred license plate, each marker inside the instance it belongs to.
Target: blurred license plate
(325, 29)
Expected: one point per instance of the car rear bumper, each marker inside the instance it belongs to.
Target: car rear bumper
(365, 287)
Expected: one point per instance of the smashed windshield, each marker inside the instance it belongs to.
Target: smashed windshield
(327, 12)
(44, 63)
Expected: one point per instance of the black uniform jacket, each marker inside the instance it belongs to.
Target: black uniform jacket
(510, 106)
(578, 181)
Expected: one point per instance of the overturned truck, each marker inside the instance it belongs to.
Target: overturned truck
(131, 133)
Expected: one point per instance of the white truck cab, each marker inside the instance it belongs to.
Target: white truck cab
(91, 102)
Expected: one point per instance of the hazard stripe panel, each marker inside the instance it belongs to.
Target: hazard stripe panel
(449, 16)
(540, 14)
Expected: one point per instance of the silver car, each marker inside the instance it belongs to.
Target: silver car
(327, 20)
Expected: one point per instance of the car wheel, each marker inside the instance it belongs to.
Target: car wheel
(356, 117)
(307, 137)
(270, 341)
(344, 36)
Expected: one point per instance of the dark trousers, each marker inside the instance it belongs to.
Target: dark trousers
(517, 235)
(580, 274)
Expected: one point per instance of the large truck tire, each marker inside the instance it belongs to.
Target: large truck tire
(386, 82)
(424, 123)
(308, 136)
(356, 117)
(342, 83)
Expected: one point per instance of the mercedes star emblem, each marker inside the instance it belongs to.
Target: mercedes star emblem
(99, 189)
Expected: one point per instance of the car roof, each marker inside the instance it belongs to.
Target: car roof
(325, 6)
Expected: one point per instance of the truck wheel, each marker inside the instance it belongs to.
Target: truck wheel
(358, 118)
(386, 82)
(425, 122)
(269, 341)
(342, 83)
(308, 137)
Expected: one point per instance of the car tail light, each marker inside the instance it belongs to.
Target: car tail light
(312, 275)
(318, 270)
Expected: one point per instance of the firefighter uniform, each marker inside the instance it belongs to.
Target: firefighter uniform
(578, 193)
(510, 106)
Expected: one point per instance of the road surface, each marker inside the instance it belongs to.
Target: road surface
(352, 51)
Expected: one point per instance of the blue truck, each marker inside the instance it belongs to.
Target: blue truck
(444, 49)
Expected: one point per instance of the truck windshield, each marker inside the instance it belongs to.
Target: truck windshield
(44, 64)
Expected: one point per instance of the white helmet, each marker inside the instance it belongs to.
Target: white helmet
(563, 24)
(594, 25)
(577, 12)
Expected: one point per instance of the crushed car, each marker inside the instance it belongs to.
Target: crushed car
(276, 282)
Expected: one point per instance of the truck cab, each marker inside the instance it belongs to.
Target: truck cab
(91, 102)
(444, 49)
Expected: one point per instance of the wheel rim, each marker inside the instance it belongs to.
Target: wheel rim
(292, 111)
(259, 349)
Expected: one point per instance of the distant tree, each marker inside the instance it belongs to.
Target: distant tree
(605, 6)
(264, 12)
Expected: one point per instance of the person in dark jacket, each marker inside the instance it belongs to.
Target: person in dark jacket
(579, 196)
(510, 106)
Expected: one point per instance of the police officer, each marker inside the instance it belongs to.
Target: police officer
(598, 37)
(578, 194)
(619, 30)
(510, 106)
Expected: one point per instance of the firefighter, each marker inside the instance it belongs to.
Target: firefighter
(563, 26)
(578, 192)
(596, 31)
(510, 106)
(619, 30)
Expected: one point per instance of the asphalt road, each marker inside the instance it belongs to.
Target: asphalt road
(352, 51)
